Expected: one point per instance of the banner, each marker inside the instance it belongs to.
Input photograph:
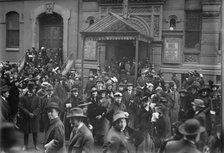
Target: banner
(21, 63)
(67, 65)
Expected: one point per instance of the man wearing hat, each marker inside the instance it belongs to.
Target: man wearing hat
(204, 94)
(115, 106)
(174, 101)
(89, 85)
(54, 141)
(200, 114)
(141, 81)
(5, 109)
(81, 138)
(30, 110)
(48, 98)
(72, 102)
(186, 110)
(61, 89)
(129, 94)
(191, 129)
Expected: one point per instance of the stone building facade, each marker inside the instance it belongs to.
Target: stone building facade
(176, 35)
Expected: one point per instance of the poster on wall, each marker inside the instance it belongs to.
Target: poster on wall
(90, 50)
(171, 50)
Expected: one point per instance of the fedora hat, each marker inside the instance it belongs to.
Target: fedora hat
(53, 105)
(198, 102)
(76, 112)
(191, 127)
(183, 91)
(215, 85)
(129, 84)
(74, 90)
(120, 115)
(205, 89)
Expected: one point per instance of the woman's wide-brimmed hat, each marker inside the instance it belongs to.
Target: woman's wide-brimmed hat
(76, 112)
(53, 105)
(120, 115)
(191, 127)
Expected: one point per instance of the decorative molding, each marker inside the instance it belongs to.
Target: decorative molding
(210, 14)
(49, 8)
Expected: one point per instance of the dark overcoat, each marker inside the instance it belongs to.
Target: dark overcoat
(5, 110)
(54, 141)
(181, 146)
(81, 140)
(30, 104)
(118, 142)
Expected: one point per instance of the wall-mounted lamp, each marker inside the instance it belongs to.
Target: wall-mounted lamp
(172, 20)
(172, 24)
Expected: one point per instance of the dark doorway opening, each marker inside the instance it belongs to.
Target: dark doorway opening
(50, 30)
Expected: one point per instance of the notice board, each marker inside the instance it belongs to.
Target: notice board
(90, 52)
(171, 50)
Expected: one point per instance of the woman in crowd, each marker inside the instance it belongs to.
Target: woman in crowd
(120, 138)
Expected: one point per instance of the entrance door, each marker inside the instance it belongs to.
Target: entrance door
(51, 36)
(51, 31)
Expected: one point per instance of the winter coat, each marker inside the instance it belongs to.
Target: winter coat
(81, 141)
(54, 141)
(30, 104)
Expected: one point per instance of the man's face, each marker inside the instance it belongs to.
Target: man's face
(94, 93)
(75, 93)
(130, 88)
(118, 99)
(74, 122)
(120, 88)
(52, 113)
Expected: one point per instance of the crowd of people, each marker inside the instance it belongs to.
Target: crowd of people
(112, 110)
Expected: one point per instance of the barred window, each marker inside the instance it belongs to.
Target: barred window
(193, 29)
(12, 30)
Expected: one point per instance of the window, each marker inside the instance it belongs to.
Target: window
(193, 29)
(12, 30)
(90, 20)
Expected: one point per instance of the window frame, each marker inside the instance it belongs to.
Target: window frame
(9, 45)
(188, 30)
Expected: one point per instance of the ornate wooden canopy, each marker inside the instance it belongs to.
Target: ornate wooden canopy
(115, 27)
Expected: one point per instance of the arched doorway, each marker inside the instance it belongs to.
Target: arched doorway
(50, 30)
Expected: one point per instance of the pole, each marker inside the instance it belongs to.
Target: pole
(82, 64)
(136, 57)
(222, 68)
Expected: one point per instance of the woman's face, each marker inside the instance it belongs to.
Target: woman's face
(52, 113)
(121, 124)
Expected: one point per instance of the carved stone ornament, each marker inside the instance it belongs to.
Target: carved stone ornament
(49, 8)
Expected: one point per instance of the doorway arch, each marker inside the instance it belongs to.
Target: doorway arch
(64, 13)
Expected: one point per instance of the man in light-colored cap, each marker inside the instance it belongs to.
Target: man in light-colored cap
(115, 106)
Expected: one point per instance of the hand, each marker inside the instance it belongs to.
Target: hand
(99, 116)
(31, 115)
